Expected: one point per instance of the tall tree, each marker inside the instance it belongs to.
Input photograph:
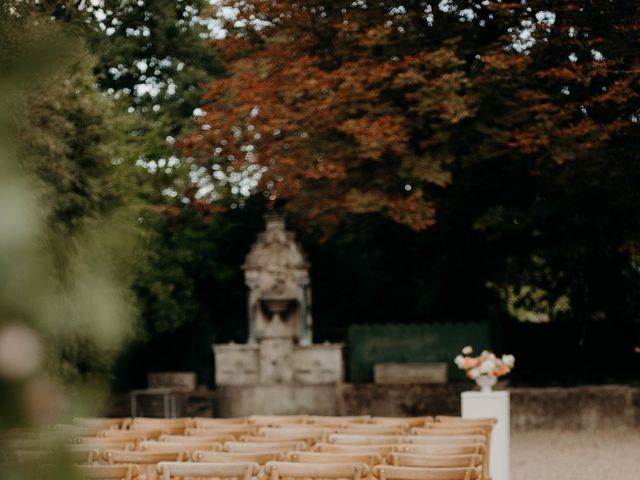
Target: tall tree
(513, 126)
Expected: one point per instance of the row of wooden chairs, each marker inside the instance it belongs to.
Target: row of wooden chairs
(254, 420)
(385, 445)
(278, 470)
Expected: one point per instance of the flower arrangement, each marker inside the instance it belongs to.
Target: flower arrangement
(487, 363)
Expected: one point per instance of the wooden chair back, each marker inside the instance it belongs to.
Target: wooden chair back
(470, 426)
(388, 472)
(264, 446)
(202, 422)
(372, 429)
(130, 435)
(276, 420)
(433, 461)
(331, 457)
(443, 449)
(202, 439)
(140, 457)
(445, 439)
(189, 447)
(448, 418)
(296, 432)
(287, 440)
(347, 448)
(353, 471)
(244, 470)
(154, 431)
(337, 421)
(406, 422)
(161, 423)
(446, 430)
(235, 432)
(363, 439)
(234, 457)
(145, 460)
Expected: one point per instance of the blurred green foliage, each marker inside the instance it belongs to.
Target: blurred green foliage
(67, 229)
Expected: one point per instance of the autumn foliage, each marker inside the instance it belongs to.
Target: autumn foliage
(340, 108)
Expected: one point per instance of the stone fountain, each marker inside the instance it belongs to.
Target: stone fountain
(279, 370)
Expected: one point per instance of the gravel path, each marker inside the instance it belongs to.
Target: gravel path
(553, 455)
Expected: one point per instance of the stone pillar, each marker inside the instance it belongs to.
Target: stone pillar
(492, 404)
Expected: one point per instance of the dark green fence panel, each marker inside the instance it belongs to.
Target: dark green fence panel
(437, 342)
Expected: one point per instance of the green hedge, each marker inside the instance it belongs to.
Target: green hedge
(438, 342)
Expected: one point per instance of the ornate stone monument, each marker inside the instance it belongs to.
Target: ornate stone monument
(279, 350)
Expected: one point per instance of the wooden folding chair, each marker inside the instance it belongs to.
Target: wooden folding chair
(211, 439)
(144, 460)
(336, 421)
(202, 422)
(234, 457)
(130, 435)
(349, 448)
(450, 439)
(244, 470)
(324, 457)
(354, 439)
(372, 429)
(298, 431)
(353, 471)
(443, 449)
(470, 426)
(450, 418)
(230, 431)
(433, 461)
(123, 472)
(185, 448)
(445, 429)
(161, 423)
(276, 420)
(264, 446)
(387, 472)
(406, 422)
(288, 440)
(154, 431)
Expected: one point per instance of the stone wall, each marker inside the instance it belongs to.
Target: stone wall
(400, 400)
(282, 399)
(194, 403)
(575, 408)
(578, 408)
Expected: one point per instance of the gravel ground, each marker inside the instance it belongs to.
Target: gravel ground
(553, 455)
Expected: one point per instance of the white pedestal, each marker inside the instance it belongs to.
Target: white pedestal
(493, 404)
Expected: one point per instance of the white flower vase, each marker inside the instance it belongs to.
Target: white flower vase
(486, 383)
